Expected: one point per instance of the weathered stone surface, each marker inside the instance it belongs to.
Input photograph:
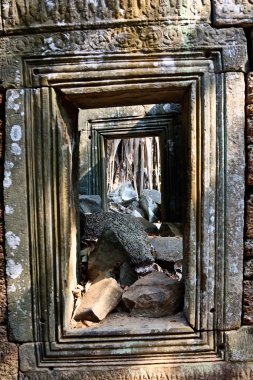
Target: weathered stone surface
(124, 194)
(248, 269)
(127, 275)
(239, 345)
(8, 361)
(155, 295)
(90, 204)
(38, 14)
(128, 233)
(3, 300)
(99, 300)
(149, 228)
(249, 216)
(155, 195)
(150, 207)
(171, 229)
(3, 334)
(249, 109)
(235, 179)
(170, 38)
(108, 255)
(233, 12)
(192, 371)
(250, 164)
(248, 302)
(167, 248)
(248, 248)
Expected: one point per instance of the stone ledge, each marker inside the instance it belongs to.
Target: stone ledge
(235, 13)
(194, 371)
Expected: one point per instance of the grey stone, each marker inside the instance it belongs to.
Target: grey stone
(149, 227)
(108, 255)
(248, 269)
(155, 195)
(167, 248)
(90, 204)
(99, 300)
(127, 275)
(155, 295)
(124, 194)
(127, 231)
(150, 207)
(171, 229)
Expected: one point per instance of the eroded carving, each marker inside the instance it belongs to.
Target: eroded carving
(233, 12)
(29, 13)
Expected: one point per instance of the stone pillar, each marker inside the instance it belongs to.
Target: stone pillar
(248, 248)
(8, 351)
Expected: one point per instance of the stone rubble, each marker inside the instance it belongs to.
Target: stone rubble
(155, 295)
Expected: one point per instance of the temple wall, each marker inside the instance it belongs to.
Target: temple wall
(35, 38)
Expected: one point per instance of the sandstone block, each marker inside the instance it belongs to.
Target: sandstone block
(233, 13)
(155, 295)
(3, 300)
(150, 207)
(128, 233)
(155, 195)
(249, 94)
(171, 229)
(167, 249)
(250, 165)
(249, 129)
(249, 217)
(108, 255)
(248, 269)
(248, 248)
(99, 300)
(90, 204)
(248, 302)
(8, 361)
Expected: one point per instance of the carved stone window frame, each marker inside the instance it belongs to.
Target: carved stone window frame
(214, 186)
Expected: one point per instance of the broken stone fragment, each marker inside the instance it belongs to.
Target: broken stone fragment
(150, 207)
(171, 229)
(248, 302)
(155, 295)
(149, 228)
(127, 233)
(124, 194)
(167, 249)
(127, 275)
(90, 204)
(248, 269)
(155, 195)
(100, 299)
(108, 255)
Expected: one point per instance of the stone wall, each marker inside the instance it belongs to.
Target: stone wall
(8, 351)
(56, 28)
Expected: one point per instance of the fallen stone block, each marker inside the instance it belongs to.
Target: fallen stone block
(100, 299)
(155, 295)
(124, 194)
(167, 249)
(127, 233)
(90, 204)
(150, 207)
(155, 195)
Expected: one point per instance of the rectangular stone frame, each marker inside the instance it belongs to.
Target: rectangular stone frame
(213, 261)
(92, 141)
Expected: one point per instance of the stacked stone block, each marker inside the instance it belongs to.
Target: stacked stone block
(248, 247)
